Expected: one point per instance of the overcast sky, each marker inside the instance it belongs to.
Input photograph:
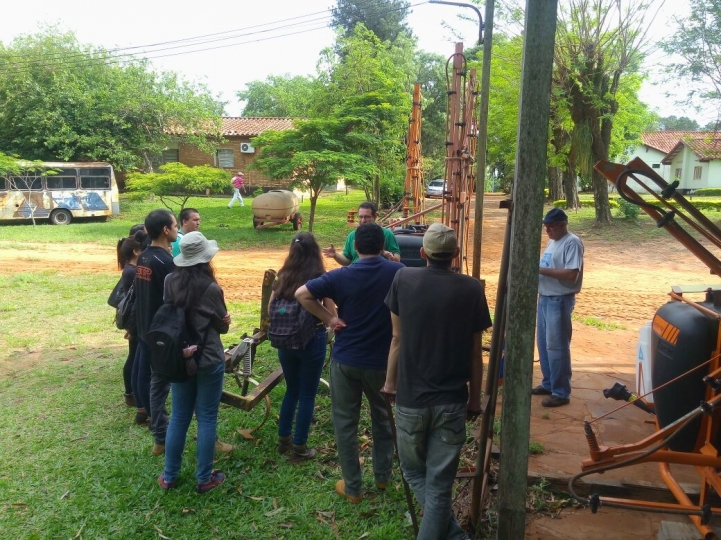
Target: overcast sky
(247, 40)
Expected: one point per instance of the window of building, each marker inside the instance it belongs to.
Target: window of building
(3, 184)
(226, 158)
(171, 156)
(656, 165)
(697, 173)
(677, 174)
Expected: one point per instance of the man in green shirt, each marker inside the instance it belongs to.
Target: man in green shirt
(367, 213)
(189, 221)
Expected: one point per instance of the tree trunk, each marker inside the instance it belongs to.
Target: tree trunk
(601, 142)
(313, 200)
(555, 191)
(570, 189)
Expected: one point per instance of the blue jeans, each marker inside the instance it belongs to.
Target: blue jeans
(553, 338)
(347, 386)
(301, 369)
(429, 447)
(202, 395)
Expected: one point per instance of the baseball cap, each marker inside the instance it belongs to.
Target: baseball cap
(555, 215)
(439, 242)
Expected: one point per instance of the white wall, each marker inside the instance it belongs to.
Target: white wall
(652, 158)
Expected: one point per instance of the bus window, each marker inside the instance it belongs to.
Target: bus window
(27, 183)
(61, 182)
(96, 178)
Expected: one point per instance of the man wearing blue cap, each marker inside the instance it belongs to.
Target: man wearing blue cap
(560, 279)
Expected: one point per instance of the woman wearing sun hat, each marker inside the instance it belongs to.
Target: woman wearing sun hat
(193, 286)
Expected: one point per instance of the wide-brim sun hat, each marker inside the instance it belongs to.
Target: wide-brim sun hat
(195, 248)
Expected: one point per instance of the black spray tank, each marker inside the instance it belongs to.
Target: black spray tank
(682, 338)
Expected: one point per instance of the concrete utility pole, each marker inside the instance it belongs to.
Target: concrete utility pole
(540, 30)
(482, 140)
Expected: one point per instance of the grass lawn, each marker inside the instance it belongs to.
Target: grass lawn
(75, 464)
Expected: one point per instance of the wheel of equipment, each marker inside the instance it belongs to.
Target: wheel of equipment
(256, 223)
(60, 216)
(297, 221)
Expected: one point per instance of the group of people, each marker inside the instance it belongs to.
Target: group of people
(186, 280)
(409, 336)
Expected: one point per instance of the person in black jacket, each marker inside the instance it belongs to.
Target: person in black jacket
(128, 251)
(154, 264)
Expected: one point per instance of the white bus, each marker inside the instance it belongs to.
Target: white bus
(67, 190)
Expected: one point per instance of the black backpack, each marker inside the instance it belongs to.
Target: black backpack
(117, 294)
(291, 325)
(168, 335)
(125, 311)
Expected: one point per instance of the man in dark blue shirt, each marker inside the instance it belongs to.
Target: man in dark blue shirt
(363, 337)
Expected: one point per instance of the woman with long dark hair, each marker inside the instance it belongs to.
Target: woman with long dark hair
(193, 287)
(127, 251)
(301, 367)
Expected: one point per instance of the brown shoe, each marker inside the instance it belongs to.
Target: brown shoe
(300, 453)
(129, 400)
(382, 485)
(158, 449)
(340, 490)
(555, 401)
(223, 448)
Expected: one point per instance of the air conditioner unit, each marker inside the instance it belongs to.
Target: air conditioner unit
(247, 148)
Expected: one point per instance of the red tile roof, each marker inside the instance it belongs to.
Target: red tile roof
(250, 127)
(706, 145)
(666, 140)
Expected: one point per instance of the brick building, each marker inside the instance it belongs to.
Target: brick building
(236, 153)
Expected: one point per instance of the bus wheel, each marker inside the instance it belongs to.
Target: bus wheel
(60, 217)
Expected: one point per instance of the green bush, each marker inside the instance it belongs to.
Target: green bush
(627, 210)
(585, 203)
(707, 192)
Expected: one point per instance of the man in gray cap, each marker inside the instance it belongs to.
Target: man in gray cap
(438, 317)
(561, 277)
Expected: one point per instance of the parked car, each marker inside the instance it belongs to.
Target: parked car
(435, 188)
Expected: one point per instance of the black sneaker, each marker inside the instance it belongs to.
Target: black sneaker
(540, 391)
(554, 401)
(216, 478)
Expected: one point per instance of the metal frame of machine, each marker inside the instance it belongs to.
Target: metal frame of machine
(704, 456)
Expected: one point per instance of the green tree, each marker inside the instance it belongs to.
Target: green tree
(368, 82)
(62, 100)
(597, 44)
(175, 183)
(313, 155)
(677, 123)
(431, 69)
(697, 41)
(385, 18)
(281, 96)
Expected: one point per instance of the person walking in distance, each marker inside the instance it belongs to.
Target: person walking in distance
(560, 279)
(438, 317)
(301, 367)
(193, 287)
(238, 182)
(367, 213)
(360, 354)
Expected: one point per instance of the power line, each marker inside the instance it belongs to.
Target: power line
(115, 56)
